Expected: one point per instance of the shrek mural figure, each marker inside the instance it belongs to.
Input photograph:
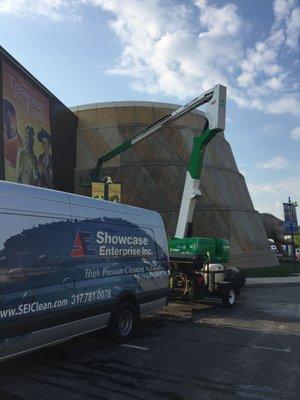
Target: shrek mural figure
(27, 171)
(45, 160)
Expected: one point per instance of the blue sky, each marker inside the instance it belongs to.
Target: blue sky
(89, 51)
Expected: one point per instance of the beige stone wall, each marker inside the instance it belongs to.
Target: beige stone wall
(153, 172)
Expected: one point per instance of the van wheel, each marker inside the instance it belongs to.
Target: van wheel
(229, 299)
(124, 322)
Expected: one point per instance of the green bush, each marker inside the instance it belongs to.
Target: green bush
(285, 268)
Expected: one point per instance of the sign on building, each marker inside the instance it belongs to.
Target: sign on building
(98, 190)
(27, 135)
(114, 192)
(107, 191)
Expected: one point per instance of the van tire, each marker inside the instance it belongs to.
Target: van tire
(123, 323)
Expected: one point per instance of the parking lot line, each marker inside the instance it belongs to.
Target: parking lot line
(288, 350)
(135, 347)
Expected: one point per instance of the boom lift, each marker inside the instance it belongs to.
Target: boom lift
(190, 255)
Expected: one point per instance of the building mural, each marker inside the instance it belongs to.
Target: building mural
(27, 136)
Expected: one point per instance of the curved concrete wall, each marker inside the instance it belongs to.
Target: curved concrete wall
(153, 173)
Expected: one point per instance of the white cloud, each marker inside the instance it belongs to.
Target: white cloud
(272, 130)
(293, 29)
(246, 79)
(295, 133)
(282, 9)
(266, 84)
(268, 197)
(164, 53)
(182, 60)
(271, 207)
(287, 13)
(263, 58)
(180, 49)
(275, 83)
(287, 104)
(268, 127)
(275, 164)
(57, 10)
(219, 21)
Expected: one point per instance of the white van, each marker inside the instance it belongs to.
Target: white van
(70, 264)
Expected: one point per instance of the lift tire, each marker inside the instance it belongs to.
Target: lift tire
(243, 278)
(124, 322)
(229, 298)
(236, 276)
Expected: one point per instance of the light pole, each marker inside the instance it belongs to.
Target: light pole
(292, 231)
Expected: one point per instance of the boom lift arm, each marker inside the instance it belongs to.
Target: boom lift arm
(212, 115)
(215, 115)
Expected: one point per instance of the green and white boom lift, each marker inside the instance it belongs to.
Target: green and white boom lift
(215, 115)
(215, 111)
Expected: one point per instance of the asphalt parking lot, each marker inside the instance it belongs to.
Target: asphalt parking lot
(185, 352)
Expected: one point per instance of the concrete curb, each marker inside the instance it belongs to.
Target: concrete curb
(270, 284)
(275, 281)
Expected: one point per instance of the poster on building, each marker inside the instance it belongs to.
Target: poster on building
(98, 189)
(26, 131)
(290, 218)
(114, 192)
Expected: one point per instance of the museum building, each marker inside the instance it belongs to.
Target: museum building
(45, 143)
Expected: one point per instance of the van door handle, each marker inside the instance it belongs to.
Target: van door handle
(68, 282)
(28, 296)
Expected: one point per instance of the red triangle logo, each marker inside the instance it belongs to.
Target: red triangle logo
(78, 249)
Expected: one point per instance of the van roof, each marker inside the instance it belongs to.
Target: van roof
(20, 190)
(27, 191)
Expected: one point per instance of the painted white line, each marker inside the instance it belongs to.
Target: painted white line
(135, 347)
(98, 341)
(288, 350)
